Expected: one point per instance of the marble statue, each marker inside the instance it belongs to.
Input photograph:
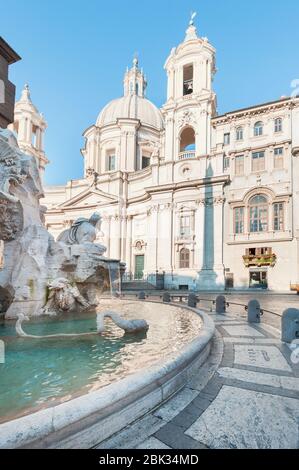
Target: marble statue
(129, 326)
(64, 297)
(32, 263)
(82, 231)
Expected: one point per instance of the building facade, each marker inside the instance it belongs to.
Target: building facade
(209, 200)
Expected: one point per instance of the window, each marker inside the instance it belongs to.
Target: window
(146, 161)
(278, 216)
(111, 163)
(239, 165)
(258, 129)
(239, 220)
(188, 80)
(226, 139)
(258, 214)
(184, 258)
(258, 161)
(185, 227)
(278, 158)
(278, 125)
(226, 163)
(187, 141)
(258, 251)
(239, 133)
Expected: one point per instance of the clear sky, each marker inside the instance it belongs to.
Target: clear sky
(75, 53)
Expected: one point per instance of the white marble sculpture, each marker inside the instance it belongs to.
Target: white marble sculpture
(83, 231)
(31, 258)
(63, 296)
(129, 326)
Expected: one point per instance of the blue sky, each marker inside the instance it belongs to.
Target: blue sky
(75, 53)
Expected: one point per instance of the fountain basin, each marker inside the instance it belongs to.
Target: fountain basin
(87, 420)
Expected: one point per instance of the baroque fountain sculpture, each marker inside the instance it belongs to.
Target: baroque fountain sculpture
(39, 275)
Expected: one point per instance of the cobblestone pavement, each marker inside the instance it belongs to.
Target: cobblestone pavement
(245, 396)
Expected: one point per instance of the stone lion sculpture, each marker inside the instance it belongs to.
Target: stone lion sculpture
(64, 297)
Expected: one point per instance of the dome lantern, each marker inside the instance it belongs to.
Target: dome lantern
(134, 80)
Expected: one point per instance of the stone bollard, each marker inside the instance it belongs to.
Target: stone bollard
(290, 325)
(192, 300)
(254, 311)
(220, 304)
(166, 297)
(141, 295)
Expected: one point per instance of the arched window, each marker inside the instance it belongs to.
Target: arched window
(258, 128)
(187, 143)
(239, 133)
(278, 125)
(258, 214)
(184, 258)
(188, 80)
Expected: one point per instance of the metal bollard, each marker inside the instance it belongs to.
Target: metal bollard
(166, 297)
(141, 295)
(290, 325)
(220, 304)
(254, 311)
(192, 300)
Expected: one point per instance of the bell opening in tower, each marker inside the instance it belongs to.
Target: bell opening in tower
(188, 80)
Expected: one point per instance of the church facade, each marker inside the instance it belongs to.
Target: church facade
(210, 201)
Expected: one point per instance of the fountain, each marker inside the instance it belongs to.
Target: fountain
(38, 274)
(84, 360)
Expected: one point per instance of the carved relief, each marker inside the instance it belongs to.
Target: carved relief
(187, 118)
(11, 216)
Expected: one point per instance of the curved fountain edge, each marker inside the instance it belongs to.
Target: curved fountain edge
(89, 419)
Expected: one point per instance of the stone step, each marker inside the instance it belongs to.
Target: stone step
(137, 285)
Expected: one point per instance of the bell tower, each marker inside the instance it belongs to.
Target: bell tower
(191, 102)
(30, 126)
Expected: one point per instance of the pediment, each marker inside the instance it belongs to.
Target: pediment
(89, 197)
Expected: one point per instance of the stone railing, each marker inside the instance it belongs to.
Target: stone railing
(187, 155)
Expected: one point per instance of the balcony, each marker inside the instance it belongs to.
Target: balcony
(259, 260)
(187, 155)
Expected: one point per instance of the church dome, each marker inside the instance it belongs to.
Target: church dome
(131, 107)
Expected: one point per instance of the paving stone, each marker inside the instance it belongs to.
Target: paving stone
(252, 340)
(289, 383)
(152, 443)
(133, 435)
(168, 411)
(260, 356)
(242, 330)
(173, 436)
(187, 417)
(246, 419)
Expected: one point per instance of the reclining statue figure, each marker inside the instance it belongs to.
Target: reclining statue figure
(82, 231)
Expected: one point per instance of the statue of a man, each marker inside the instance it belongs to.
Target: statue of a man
(82, 231)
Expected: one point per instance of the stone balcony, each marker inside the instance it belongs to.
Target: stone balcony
(187, 155)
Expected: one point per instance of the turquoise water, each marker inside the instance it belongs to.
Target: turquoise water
(41, 372)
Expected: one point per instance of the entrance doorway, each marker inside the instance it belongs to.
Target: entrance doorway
(258, 279)
(139, 267)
